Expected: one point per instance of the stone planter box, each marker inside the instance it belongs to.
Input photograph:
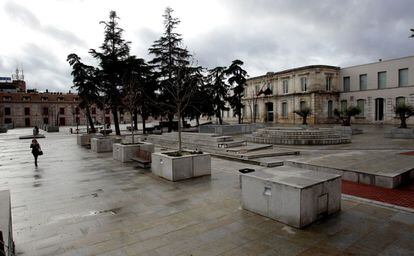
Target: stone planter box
(400, 133)
(182, 167)
(294, 196)
(50, 128)
(125, 152)
(84, 139)
(103, 144)
(3, 129)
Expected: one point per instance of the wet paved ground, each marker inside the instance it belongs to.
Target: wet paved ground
(81, 203)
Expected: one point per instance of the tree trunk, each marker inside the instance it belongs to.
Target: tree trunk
(239, 116)
(116, 122)
(403, 121)
(198, 120)
(304, 120)
(135, 116)
(143, 124)
(132, 132)
(179, 133)
(170, 122)
(183, 121)
(88, 115)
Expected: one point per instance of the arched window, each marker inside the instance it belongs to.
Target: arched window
(399, 101)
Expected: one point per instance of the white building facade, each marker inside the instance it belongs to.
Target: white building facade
(376, 88)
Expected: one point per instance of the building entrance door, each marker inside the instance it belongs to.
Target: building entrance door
(269, 114)
(27, 122)
(379, 109)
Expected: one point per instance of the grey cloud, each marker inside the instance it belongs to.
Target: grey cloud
(44, 70)
(63, 35)
(26, 17)
(22, 14)
(273, 35)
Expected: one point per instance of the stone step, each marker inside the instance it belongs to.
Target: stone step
(230, 144)
(249, 148)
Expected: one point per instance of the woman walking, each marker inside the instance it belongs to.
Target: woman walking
(36, 151)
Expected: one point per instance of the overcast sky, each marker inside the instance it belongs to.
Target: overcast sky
(268, 35)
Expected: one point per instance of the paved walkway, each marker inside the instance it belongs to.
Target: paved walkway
(402, 196)
(81, 203)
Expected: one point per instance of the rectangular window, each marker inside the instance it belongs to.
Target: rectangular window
(361, 105)
(284, 109)
(7, 120)
(45, 111)
(7, 98)
(7, 111)
(344, 105)
(363, 82)
(26, 111)
(403, 77)
(256, 90)
(44, 98)
(93, 111)
(61, 111)
(303, 84)
(285, 86)
(382, 80)
(347, 84)
(328, 82)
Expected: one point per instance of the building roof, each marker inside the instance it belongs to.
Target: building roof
(294, 70)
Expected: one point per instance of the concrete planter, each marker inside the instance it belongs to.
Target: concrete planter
(50, 128)
(125, 152)
(294, 196)
(400, 133)
(3, 129)
(84, 139)
(182, 167)
(103, 144)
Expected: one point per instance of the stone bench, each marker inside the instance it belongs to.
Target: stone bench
(143, 158)
(294, 196)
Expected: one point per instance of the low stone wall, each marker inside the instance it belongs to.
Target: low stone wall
(400, 133)
(348, 129)
(230, 129)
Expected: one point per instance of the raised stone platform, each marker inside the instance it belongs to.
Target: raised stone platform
(229, 129)
(298, 136)
(26, 137)
(382, 169)
(294, 196)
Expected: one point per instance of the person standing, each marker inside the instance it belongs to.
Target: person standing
(36, 150)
